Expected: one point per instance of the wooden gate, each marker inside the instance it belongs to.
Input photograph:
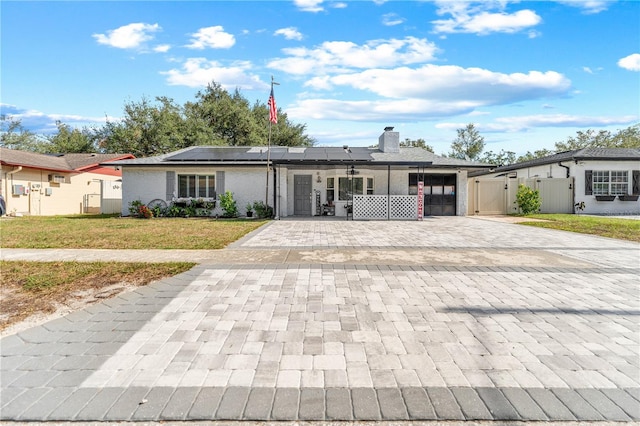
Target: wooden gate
(491, 196)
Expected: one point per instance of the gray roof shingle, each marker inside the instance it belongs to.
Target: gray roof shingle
(55, 162)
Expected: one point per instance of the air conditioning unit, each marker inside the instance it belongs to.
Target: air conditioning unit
(56, 179)
(17, 190)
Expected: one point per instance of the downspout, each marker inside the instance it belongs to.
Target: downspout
(6, 187)
(566, 167)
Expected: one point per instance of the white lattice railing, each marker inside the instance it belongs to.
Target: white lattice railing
(403, 207)
(370, 207)
(376, 207)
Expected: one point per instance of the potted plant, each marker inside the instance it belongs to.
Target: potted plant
(249, 210)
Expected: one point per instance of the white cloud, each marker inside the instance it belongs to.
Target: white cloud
(485, 23)
(45, 123)
(447, 82)
(198, 72)
(162, 48)
(385, 110)
(339, 5)
(483, 18)
(211, 37)
(426, 92)
(631, 62)
(290, 33)
(588, 6)
(524, 123)
(391, 19)
(339, 55)
(129, 36)
(309, 5)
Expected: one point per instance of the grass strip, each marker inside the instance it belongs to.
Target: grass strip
(30, 288)
(622, 229)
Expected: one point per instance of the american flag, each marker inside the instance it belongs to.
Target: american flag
(273, 110)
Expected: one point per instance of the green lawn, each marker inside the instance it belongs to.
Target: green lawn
(622, 229)
(110, 232)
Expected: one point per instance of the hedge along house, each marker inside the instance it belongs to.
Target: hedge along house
(349, 182)
(603, 181)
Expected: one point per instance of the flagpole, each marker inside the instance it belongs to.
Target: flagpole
(273, 117)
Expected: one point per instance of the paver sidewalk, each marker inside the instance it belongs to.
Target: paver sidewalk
(343, 338)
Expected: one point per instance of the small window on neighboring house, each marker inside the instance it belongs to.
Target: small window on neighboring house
(607, 182)
(196, 186)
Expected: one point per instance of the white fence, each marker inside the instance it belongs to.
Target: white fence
(382, 207)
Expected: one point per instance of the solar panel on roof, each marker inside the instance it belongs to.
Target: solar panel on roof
(315, 154)
(361, 154)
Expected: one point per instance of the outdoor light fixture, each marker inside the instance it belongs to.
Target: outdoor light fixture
(319, 178)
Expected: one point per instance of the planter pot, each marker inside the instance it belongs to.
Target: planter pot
(605, 197)
(249, 214)
(628, 197)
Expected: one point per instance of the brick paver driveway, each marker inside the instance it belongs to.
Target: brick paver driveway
(447, 319)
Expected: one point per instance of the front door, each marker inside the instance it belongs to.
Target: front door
(302, 195)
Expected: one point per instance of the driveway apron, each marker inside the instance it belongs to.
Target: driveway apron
(445, 319)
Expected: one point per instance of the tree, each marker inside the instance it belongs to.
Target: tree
(535, 154)
(502, 158)
(468, 145)
(233, 122)
(14, 135)
(70, 140)
(418, 143)
(626, 138)
(146, 129)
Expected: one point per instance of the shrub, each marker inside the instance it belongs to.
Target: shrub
(528, 200)
(228, 205)
(262, 210)
(138, 209)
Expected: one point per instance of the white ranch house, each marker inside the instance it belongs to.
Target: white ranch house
(350, 182)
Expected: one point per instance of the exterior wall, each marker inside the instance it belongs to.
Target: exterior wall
(45, 198)
(148, 183)
(577, 171)
(394, 183)
(592, 206)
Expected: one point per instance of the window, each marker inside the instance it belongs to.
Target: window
(605, 182)
(57, 179)
(330, 189)
(196, 186)
(356, 185)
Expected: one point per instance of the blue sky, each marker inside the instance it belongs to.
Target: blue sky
(527, 74)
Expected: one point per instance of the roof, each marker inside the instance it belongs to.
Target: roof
(584, 154)
(201, 155)
(56, 162)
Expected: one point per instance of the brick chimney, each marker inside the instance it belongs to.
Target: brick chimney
(389, 141)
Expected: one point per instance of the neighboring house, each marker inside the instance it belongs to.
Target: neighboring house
(602, 181)
(43, 185)
(352, 182)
